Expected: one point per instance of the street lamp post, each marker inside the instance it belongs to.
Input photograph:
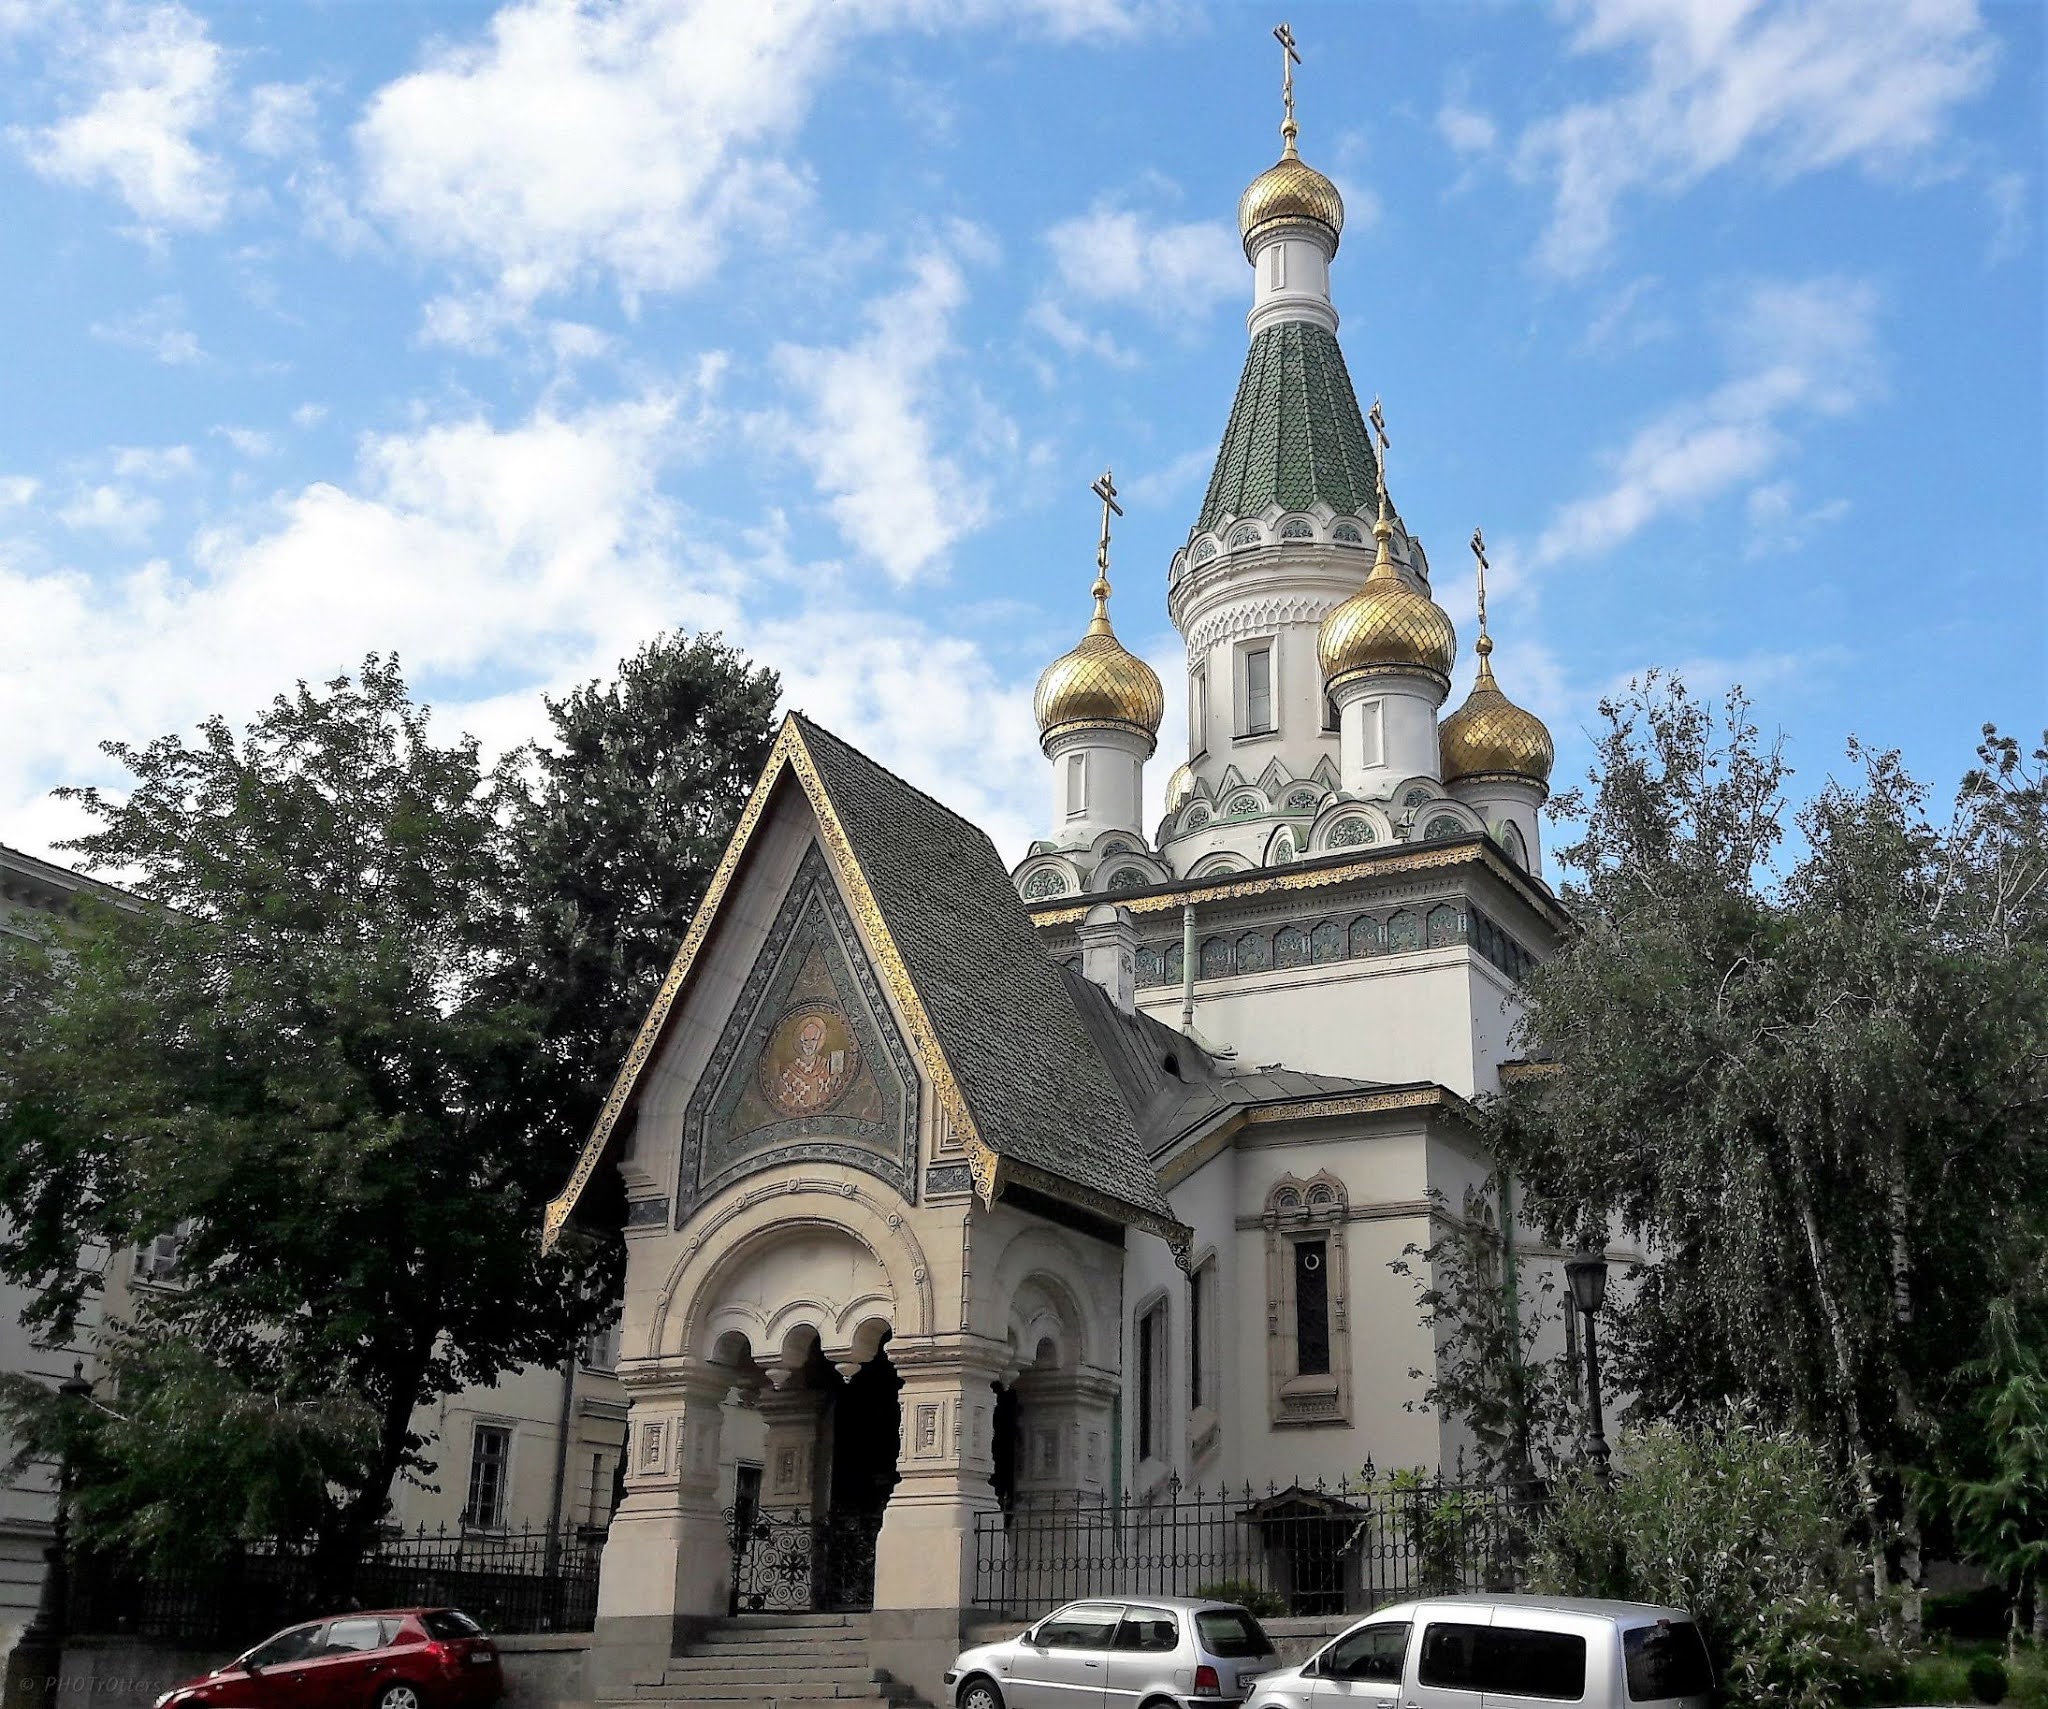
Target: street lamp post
(39, 1651)
(1586, 1270)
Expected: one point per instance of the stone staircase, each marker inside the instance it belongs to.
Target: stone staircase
(772, 1660)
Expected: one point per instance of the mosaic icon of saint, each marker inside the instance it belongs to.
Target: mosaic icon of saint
(810, 1061)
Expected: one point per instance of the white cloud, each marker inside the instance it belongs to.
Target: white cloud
(1778, 524)
(1793, 88)
(282, 119)
(2009, 197)
(159, 329)
(1075, 338)
(1466, 129)
(1628, 319)
(864, 424)
(1174, 272)
(309, 415)
(1156, 488)
(113, 511)
(1795, 350)
(152, 80)
(251, 442)
(154, 462)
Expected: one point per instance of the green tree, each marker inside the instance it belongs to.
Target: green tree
(350, 1043)
(1813, 1093)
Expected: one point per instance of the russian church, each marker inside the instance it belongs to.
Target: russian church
(952, 1192)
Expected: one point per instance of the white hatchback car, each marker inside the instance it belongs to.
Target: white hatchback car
(1503, 1652)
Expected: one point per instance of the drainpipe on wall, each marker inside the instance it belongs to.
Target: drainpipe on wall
(557, 1520)
(1187, 968)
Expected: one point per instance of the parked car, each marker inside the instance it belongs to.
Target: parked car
(1504, 1652)
(1119, 1652)
(393, 1658)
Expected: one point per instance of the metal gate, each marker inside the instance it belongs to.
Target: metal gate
(786, 1562)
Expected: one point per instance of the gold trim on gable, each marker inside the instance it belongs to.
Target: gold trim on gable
(788, 752)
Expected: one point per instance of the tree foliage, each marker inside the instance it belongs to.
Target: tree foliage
(1813, 1090)
(347, 1047)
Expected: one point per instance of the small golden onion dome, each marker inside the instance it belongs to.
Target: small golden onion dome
(1100, 682)
(1490, 736)
(1386, 623)
(1289, 190)
(1179, 787)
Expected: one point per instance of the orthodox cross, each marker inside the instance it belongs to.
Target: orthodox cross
(1290, 57)
(1479, 552)
(1379, 425)
(1105, 489)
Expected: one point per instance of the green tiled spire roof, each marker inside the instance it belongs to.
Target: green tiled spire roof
(1296, 433)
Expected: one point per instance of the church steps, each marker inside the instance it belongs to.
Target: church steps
(770, 1660)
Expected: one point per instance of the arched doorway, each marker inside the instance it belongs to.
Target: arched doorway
(866, 1438)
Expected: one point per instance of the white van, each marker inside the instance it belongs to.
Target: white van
(1503, 1652)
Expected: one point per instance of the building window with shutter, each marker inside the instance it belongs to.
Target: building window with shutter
(490, 1462)
(1258, 691)
(1308, 1338)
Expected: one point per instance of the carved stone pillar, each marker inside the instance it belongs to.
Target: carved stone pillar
(666, 1557)
(1065, 1420)
(925, 1556)
(796, 1472)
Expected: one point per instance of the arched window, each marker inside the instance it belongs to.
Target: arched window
(1446, 926)
(1243, 535)
(1283, 852)
(1302, 801)
(1518, 850)
(1127, 878)
(1204, 551)
(1116, 846)
(1294, 528)
(1348, 534)
(1415, 797)
(1215, 957)
(1290, 947)
(1254, 954)
(1326, 942)
(1151, 969)
(1352, 833)
(1308, 1345)
(1046, 881)
(1368, 936)
(1244, 807)
(1173, 964)
(1443, 825)
(1404, 932)
(1197, 816)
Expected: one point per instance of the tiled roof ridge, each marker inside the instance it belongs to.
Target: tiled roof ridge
(811, 727)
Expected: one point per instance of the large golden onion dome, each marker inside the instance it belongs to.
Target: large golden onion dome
(1386, 623)
(1490, 736)
(1100, 682)
(1289, 190)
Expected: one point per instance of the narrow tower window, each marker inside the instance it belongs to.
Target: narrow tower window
(1311, 1307)
(1258, 691)
(1077, 784)
(1198, 713)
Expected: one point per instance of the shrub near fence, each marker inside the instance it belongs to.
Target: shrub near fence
(510, 1581)
(1344, 1548)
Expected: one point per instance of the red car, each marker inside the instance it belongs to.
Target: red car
(393, 1658)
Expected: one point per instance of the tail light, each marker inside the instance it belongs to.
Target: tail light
(443, 1653)
(1207, 1684)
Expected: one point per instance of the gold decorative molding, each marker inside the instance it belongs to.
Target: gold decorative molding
(1368, 1104)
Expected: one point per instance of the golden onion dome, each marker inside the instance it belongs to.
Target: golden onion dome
(1490, 736)
(1100, 682)
(1386, 623)
(1179, 787)
(1287, 191)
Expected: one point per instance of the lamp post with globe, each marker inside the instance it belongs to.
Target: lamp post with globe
(1586, 1271)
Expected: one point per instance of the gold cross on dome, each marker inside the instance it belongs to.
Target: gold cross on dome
(1105, 489)
(1290, 57)
(1379, 424)
(1479, 552)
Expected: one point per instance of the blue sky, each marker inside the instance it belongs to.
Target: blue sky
(508, 336)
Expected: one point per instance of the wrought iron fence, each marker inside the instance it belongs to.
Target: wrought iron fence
(787, 1562)
(1344, 1548)
(510, 1581)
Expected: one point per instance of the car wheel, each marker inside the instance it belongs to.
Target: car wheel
(980, 1694)
(400, 1694)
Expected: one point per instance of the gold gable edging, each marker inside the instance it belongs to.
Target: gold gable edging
(563, 1204)
(982, 1160)
(1367, 1104)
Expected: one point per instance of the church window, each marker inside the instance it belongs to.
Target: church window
(1077, 784)
(1404, 932)
(1151, 970)
(1518, 850)
(1198, 713)
(1116, 846)
(1352, 832)
(1205, 549)
(1173, 964)
(1302, 801)
(1283, 852)
(1296, 529)
(1152, 1383)
(1258, 691)
(1290, 948)
(1372, 744)
(1415, 797)
(1197, 817)
(1253, 953)
(1215, 957)
(1199, 1285)
(1332, 718)
(490, 1457)
(1245, 807)
(1367, 937)
(1046, 881)
(1312, 1307)
(1326, 942)
(1127, 878)
(1245, 534)
(1446, 926)
(1444, 825)
(1307, 1345)
(1348, 534)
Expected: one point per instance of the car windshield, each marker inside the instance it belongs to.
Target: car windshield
(1668, 1659)
(447, 1623)
(1231, 1632)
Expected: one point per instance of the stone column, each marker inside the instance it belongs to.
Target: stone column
(795, 1474)
(667, 1557)
(925, 1556)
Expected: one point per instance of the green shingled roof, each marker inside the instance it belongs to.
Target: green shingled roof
(1296, 433)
